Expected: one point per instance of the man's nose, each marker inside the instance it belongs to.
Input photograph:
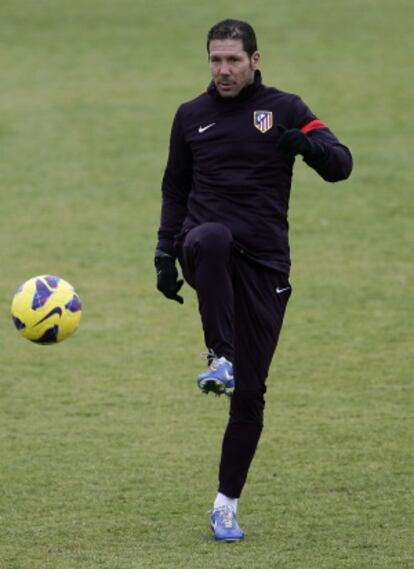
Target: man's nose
(224, 69)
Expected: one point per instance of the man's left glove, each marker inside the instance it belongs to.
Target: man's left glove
(167, 276)
(295, 142)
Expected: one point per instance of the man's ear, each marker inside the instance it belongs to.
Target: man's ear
(255, 59)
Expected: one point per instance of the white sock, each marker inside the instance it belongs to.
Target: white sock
(222, 500)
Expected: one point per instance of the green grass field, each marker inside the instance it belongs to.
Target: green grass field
(108, 455)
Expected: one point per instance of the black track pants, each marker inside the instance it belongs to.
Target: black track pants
(241, 305)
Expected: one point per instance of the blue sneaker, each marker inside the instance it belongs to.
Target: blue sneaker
(224, 525)
(218, 379)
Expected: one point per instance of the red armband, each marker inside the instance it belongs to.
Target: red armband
(313, 125)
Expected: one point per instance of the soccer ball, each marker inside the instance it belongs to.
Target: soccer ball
(46, 309)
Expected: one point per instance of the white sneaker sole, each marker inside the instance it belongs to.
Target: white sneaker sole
(213, 385)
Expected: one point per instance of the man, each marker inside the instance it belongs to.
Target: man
(224, 217)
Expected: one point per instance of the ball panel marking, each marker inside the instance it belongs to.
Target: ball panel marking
(52, 281)
(74, 305)
(41, 295)
(49, 337)
(18, 323)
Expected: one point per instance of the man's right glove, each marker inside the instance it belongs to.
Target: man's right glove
(167, 276)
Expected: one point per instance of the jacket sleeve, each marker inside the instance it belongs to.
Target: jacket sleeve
(335, 161)
(176, 185)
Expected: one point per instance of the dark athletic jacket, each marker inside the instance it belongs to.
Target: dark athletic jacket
(224, 165)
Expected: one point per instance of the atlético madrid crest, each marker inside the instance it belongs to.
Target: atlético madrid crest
(263, 120)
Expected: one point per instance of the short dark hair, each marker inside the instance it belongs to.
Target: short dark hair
(234, 30)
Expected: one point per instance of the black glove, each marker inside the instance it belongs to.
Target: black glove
(167, 276)
(295, 142)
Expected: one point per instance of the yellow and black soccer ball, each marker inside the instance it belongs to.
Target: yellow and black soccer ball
(46, 309)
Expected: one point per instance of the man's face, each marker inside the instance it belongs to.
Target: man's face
(231, 67)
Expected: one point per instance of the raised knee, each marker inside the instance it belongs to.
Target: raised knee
(212, 237)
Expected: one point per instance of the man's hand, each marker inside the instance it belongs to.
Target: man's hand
(167, 276)
(295, 142)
